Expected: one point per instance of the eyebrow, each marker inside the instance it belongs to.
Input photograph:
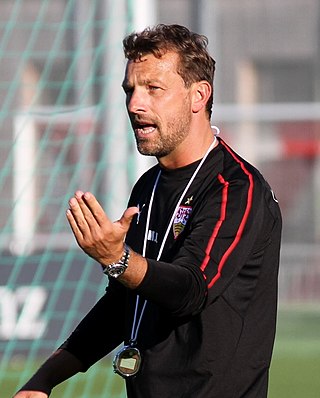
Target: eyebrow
(127, 85)
(152, 81)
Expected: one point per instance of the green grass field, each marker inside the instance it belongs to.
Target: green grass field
(295, 370)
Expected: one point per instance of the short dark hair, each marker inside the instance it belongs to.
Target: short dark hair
(195, 64)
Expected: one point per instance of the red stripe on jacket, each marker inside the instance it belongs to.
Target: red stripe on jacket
(218, 224)
(222, 219)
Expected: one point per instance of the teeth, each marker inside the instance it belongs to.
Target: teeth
(145, 130)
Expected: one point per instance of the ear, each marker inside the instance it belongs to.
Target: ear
(201, 94)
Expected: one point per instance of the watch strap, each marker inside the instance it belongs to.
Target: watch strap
(118, 268)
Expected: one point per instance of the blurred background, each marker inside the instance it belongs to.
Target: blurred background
(63, 127)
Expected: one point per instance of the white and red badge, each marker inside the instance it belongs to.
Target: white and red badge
(181, 219)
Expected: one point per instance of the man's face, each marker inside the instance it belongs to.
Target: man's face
(158, 104)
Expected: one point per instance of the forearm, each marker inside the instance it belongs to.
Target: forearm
(136, 271)
(179, 289)
(59, 367)
(185, 286)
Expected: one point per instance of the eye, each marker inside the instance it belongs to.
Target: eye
(154, 88)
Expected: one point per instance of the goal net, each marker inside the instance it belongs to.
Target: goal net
(63, 127)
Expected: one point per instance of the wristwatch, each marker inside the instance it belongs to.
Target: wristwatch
(116, 269)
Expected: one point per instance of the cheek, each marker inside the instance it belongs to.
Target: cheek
(180, 108)
(172, 109)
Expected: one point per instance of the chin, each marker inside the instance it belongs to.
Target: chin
(151, 152)
(145, 151)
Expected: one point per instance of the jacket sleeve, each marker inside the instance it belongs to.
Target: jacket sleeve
(101, 330)
(228, 234)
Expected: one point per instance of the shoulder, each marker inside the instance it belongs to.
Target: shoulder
(236, 168)
(243, 177)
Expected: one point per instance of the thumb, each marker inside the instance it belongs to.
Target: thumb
(127, 217)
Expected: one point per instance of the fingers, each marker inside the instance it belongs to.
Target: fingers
(93, 230)
(85, 213)
(91, 208)
(78, 233)
(78, 217)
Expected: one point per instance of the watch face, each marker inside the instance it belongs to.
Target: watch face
(116, 270)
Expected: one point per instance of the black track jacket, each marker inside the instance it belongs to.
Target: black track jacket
(209, 323)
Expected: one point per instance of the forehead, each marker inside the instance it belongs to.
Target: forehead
(150, 66)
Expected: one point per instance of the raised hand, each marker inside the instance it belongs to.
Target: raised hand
(95, 233)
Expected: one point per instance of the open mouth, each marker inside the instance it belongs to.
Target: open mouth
(144, 128)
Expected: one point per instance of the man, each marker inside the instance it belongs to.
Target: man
(193, 262)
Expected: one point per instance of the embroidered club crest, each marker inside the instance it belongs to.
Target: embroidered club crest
(181, 219)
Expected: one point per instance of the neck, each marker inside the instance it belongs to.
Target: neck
(193, 148)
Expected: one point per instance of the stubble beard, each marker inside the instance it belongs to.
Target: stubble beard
(165, 143)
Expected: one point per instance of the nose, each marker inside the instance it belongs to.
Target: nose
(136, 101)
